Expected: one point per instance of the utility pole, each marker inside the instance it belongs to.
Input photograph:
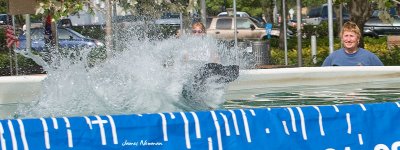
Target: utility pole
(203, 11)
(108, 28)
(299, 50)
(15, 47)
(224, 7)
(284, 29)
(235, 24)
(275, 12)
(330, 26)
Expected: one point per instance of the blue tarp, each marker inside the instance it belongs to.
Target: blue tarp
(353, 126)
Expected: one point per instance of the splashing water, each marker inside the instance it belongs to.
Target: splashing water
(143, 76)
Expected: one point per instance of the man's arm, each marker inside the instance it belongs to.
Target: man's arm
(376, 61)
(327, 61)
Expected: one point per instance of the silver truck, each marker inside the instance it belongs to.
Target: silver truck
(247, 29)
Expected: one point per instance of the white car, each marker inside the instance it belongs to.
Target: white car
(238, 14)
(247, 29)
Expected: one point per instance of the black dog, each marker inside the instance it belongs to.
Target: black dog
(193, 90)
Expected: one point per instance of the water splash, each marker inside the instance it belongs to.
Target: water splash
(144, 75)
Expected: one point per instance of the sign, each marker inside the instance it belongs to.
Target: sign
(328, 127)
(18, 7)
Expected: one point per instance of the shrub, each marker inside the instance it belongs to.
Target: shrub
(2, 39)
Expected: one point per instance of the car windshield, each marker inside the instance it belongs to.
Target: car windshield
(225, 15)
(391, 11)
(3, 18)
(37, 34)
(170, 15)
(243, 23)
(238, 14)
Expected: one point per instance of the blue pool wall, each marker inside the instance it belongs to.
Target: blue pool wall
(350, 126)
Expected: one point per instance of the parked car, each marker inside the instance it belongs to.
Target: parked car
(247, 29)
(238, 14)
(3, 19)
(375, 27)
(318, 14)
(68, 38)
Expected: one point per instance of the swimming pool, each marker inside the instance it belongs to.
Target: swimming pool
(305, 126)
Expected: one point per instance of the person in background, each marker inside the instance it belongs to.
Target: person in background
(198, 28)
(351, 54)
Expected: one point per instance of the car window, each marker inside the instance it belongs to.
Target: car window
(226, 15)
(224, 23)
(76, 33)
(63, 34)
(257, 23)
(37, 34)
(243, 23)
(392, 11)
(324, 13)
(3, 18)
(170, 15)
(314, 12)
(238, 14)
(375, 13)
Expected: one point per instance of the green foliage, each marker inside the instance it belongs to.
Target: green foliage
(3, 6)
(2, 39)
(378, 46)
(319, 31)
(4, 60)
(59, 8)
(25, 65)
(249, 7)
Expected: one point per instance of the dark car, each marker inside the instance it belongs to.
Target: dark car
(3, 19)
(68, 38)
(375, 27)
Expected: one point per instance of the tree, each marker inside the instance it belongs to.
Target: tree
(3, 6)
(268, 10)
(361, 11)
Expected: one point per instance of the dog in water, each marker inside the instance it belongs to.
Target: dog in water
(207, 85)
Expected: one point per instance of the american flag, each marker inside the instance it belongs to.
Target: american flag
(10, 36)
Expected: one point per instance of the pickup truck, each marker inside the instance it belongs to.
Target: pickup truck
(247, 28)
(375, 27)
